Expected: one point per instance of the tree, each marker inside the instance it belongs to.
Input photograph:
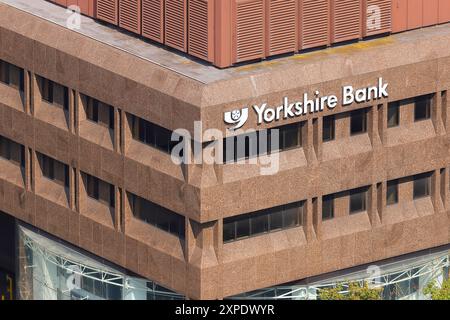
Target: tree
(356, 291)
(436, 292)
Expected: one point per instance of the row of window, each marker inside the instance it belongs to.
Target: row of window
(253, 144)
(256, 223)
(422, 109)
(292, 215)
(97, 189)
(358, 197)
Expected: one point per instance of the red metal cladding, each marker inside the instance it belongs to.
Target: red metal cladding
(130, 15)
(282, 26)
(201, 27)
(377, 17)
(444, 11)
(108, 10)
(415, 14)
(346, 17)
(248, 29)
(175, 24)
(315, 23)
(430, 12)
(399, 15)
(153, 19)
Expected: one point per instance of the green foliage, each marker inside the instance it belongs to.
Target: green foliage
(436, 292)
(356, 291)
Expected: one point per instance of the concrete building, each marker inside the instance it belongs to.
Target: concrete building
(96, 205)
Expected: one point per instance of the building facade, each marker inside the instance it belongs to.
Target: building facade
(358, 176)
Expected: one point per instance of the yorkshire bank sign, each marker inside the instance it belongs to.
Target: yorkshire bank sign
(309, 104)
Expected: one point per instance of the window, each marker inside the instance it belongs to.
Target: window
(264, 221)
(393, 115)
(358, 200)
(157, 216)
(328, 207)
(11, 75)
(358, 122)
(253, 144)
(100, 190)
(290, 136)
(53, 92)
(392, 192)
(422, 185)
(54, 170)
(12, 151)
(422, 107)
(98, 112)
(328, 128)
(152, 134)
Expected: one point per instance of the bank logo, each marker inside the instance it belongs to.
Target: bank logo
(236, 117)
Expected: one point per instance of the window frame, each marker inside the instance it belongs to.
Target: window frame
(332, 131)
(396, 107)
(358, 192)
(354, 114)
(392, 184)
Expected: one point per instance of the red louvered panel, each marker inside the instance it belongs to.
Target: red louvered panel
(153, 19)
(282, 26)
(346, 16)
(107, 10)
(201, 15)
(175, 24)
(249, 23)
(378, 17)
(430, 12)
(444, 11)
(315, 23)
(130, 15)
(415, 14)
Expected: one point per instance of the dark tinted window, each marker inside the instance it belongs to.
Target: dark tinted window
(358, 200)
(12, 151)
(270, 220)
(393, 115)
(358, 122)
(100, 190)
(54, 170)
(392, 192)
(152, 134)
(53, 92)
(157, 216)
(11, 75)
(422, 107)
(328, 128)
(422, 185)
(98, 111)
(328, 207)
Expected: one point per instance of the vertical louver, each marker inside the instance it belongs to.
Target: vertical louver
(346, 20)
(249, 29)
(175, 24)
(107, 10)
(130, 15)
(377, 15)
(200, 28)
(282, 35)
(315, 23)
(153, 19)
